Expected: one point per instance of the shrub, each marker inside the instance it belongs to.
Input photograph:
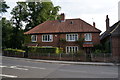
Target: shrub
(14, 50)
(97, 51)
(80, 52)
(44, 50)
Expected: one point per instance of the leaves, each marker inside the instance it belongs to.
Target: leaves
(34, 13)
(3, 7)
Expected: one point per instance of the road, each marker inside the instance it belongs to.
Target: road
(22, 68)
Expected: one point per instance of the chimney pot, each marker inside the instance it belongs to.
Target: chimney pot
(93, 24)
(62, 17)
(107, 23)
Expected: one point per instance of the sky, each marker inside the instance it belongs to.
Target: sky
(87, 10)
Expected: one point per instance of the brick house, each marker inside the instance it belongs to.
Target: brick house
(112, 36)
(64, 33)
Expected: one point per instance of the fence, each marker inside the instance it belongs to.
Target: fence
(101, 57)
(13, 54)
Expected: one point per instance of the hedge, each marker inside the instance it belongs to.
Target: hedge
(44, 50)
(13, 52)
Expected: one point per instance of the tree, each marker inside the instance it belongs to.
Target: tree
(6, 27)
(6, 33)
(3, 7)
(17, 18)
(34, 13)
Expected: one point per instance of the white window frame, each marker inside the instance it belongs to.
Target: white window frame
(35, 38)
(72, 38)
(88, 36)
(48, 36)
(72, 49)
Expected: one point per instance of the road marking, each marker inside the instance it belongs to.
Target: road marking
(2, 66)
(11, 76)
(15, 67)
(31, 67)
(20, 67)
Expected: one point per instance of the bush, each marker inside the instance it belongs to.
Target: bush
(97, 51)
(44, 50)
(14, 50)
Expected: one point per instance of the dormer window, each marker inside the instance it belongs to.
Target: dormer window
(34, 38)
(71, 22)
(88, 37)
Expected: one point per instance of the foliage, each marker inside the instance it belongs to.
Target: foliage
(98, 46)
(107, 46)
(17, 38)
(7, 32)
(62, 40)
(97, 51)
(13, 50)
(80, 52)
(30, 14)
(80, 41)
(3, 7)
(17, 17)
(59, 50)
(27, 39)
(34, 13)
(44, 50)
(102, 48)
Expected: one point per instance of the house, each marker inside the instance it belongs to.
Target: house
(112, 37)
(64, 33)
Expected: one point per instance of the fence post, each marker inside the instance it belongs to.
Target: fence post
(60, 56)
(49, 55)
(72, 56)
(91, 57)
(104, 57)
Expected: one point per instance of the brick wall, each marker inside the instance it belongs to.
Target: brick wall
(116, 46)
(56, 37)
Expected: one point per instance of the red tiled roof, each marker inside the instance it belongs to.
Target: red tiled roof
(69, 25)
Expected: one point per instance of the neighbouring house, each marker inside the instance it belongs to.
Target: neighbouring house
(65, 33)
(111, 37)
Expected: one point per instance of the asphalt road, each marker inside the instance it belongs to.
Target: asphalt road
(15, 68)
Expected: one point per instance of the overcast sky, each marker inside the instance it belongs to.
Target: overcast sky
(88, 10)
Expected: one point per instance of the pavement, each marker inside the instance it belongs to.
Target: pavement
(69, 62)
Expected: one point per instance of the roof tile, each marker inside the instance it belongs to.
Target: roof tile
(69, 25)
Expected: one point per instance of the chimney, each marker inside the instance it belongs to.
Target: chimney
(62, 17)
(93, 24)
(107, 23)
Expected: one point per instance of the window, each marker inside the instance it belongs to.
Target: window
(88, 37)
(47, 38)
(71, 49)
(34, 38)
(71, 37)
